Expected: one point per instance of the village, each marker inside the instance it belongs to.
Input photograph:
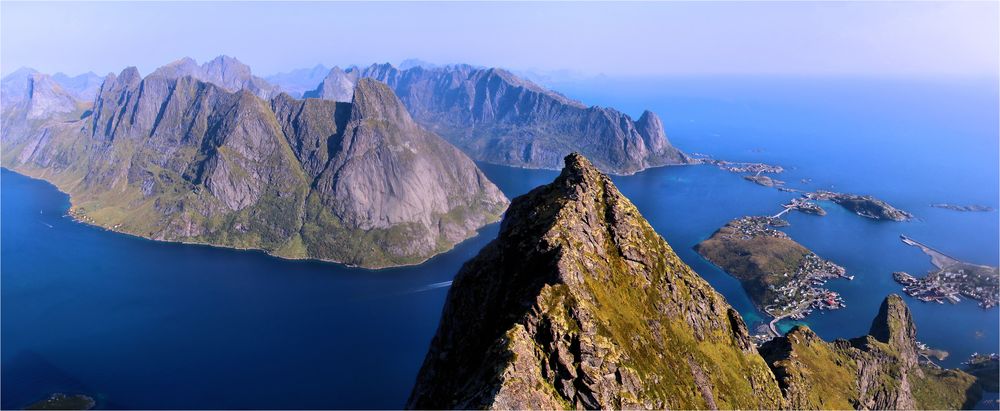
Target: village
(952, 279)
(799, 291)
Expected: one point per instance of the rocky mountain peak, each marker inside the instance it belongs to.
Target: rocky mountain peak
(16, 85)
(338, 85)
(375, 101)
(45, 97)
(578, 303)
(129, 75)
(894, 326)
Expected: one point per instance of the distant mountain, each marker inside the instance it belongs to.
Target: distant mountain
(223, 71)
(579, 304)
(82, 87)
(34, 96)
(411, 63)
(298, 82)
(497, 117)
(172, 157)
(337, 85)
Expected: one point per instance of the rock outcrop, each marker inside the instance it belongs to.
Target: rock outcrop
(877, 371)
(579, 303)
(497, 117)
(172, 157)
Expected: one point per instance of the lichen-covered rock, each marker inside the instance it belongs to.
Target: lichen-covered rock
(578, 303)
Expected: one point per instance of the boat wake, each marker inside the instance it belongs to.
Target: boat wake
(432, 286)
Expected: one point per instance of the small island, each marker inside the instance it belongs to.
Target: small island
(60, 401)
(951, 279)
(782, 277)
(865, 206)
(765, 180)
(737, 166)
(965, 208)
(803, 204)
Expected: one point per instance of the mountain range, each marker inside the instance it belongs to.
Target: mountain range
(579, 303)
(175, 156)
(211, 153)
(498, 117)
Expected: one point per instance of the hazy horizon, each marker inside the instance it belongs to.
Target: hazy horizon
(922, 39)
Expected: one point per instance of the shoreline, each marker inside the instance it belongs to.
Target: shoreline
(68, 213)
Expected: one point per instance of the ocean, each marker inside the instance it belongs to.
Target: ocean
(143, 324)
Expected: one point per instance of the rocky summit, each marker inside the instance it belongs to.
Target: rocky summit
(173, 157)
(578, 303)
(498, 117)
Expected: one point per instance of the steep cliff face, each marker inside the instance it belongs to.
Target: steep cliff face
(391, 177)
(877, 371)
(579, 303)
(180, 159)
(497, 117)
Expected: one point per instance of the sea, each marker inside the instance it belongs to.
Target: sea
(136, 323)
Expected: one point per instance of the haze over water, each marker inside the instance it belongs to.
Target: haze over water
(143, 324)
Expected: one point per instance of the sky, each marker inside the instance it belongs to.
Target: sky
(922, 39)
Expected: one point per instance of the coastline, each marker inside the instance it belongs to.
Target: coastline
(74, 218)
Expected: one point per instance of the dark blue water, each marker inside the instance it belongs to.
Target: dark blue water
(142, 324)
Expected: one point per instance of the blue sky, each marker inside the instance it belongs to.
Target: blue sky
(630, 39)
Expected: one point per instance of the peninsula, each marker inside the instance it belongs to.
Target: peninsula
(951, 278)
(782, 277)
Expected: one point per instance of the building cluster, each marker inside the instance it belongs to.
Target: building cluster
(804, 205)
(758, 226)
(949, 284)
(803, 292)
(744, 167)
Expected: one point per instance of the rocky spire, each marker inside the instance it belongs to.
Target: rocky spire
(894, 326)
